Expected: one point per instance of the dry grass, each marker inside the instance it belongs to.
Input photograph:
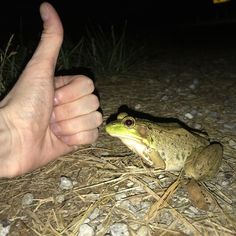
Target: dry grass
(100, 179)
(108, 176)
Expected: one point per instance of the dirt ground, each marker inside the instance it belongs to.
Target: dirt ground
(110, 185)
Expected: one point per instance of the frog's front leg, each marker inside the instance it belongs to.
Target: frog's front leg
(154, 158)
(205, 162)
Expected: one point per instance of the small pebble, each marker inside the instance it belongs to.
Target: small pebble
(86, 221)
(225, 183)
(188, 115)
(143, 231)
(192, 86)
(60, 198)
(229, 125)
(134, 226)
(130, 184)
(164, 98)
(119, 229)
(4, 230)
(94, 214)
(137, 106)
(232, 143)
(66, 183)
(27, 199)
(197, 126)
(120, 196)
(193, 209)
(86, 230)
(104, 154)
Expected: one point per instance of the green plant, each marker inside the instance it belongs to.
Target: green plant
(109, 52)
(8, 68)
(71, 55)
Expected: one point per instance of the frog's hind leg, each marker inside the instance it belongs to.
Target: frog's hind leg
(205, 162)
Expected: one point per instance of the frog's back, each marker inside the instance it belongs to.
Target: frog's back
(175, 144)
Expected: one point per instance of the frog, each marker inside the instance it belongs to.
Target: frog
(168, 146)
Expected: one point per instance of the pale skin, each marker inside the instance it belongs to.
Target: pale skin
(44, 117)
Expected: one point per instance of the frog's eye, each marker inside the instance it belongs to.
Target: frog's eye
(129, 122)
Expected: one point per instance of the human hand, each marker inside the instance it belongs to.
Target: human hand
(44, 117)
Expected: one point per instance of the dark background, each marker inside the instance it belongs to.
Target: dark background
(198, 19)
(23, 15)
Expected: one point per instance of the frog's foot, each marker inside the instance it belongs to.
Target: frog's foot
(199, 196)
(154, 159)
(204, 163)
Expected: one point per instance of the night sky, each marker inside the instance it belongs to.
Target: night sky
(22, 16)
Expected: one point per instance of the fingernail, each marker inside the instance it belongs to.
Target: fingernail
(44, 11)
(55, 128)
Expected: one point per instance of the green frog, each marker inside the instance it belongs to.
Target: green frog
(168, 147)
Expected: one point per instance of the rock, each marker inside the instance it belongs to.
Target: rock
(188, 115)
(4, 228)
(229, 125)
(119, 229)
(27, 199)
(137, 106)
(143, 231)
(197, 126)
(60, 198)
(232, 143)
(164, 98)
(94, 214)
(86, 230)
(120, 196)
(66, 183)
(130, 184)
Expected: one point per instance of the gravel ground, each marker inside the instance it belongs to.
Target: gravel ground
(104, 189)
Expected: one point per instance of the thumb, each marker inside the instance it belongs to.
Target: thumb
(51, 39)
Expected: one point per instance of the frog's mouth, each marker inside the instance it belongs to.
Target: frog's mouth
(128, 138)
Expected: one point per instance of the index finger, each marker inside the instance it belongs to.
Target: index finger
(70, 88)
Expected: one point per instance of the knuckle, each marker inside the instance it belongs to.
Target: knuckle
(87, 81)
(99, 119)
(94, 101)
(87, 137)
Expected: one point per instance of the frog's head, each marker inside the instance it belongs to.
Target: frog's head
(129, 130)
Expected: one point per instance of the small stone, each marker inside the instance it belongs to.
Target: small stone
(225, 183)
(86, 221)
(130, 184)
(143, 231)
(134, 226)
(193, 209)
(232, 143)
(60, 198)
(145, 205)
(137, 106)
(4, 230)
(229, 125)
(94, 214)
(27, 199)
(66, 183)
(164, 98)
(192, 86)
(119, 229)
(188, 115)
(197, 126)
(120, 196)
(86, 230)
(126, 204)
(104, 154)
